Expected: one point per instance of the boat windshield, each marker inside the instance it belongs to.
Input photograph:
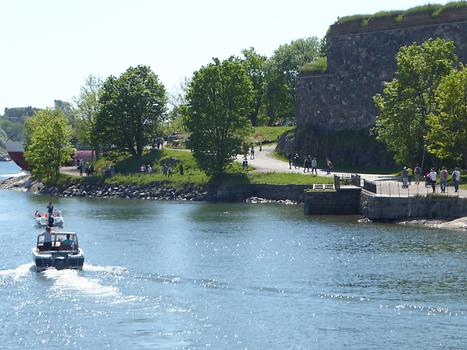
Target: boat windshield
(60, 240)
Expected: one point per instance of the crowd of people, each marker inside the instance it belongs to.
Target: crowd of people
(84, 167)
(430, 178)
(309, 164)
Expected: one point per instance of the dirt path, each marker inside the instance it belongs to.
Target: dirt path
(266, 162)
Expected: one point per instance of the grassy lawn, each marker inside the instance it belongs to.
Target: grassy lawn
(269, 134)
(127, 172)
(463, 182)
(288, 179)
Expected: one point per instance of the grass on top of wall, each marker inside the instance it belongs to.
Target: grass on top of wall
(270, 134)
(434, 9)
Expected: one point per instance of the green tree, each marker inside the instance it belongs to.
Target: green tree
(219, 102)
(131, 110)
(177, 113)
(48, 143)
(447, 137)
(409, 99)
(13, 130)
(281, 71)
(67, 109)
(87, 106)
(254, 64)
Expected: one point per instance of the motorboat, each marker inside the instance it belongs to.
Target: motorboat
(42, 219)
(62, 252)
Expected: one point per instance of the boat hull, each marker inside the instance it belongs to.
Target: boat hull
(59, 260)
(43, 221)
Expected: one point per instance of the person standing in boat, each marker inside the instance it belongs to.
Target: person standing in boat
(50, 216)
(48, 238)
(50, 208)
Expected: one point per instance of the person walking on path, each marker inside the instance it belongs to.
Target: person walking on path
(307, 164)
(296, 160)
(432, 176)
(252, 153)
(328, 166)
(314, 166)
(245, 164)
(443, 179)
(405, 178)
(417, 171)
(456, 178)
(290, 158)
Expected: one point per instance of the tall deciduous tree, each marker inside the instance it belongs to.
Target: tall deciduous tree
(281, 72)
(87, 106)
(255, 64)
(178, 104)
(447, 137)
(409, 99)
(131, 110)
(219, 103)
(48, 143)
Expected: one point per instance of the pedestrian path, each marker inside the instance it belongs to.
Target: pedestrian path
(265, 161)
(387, 185)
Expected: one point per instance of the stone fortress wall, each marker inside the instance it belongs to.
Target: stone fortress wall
(360, 58)
(339, 102)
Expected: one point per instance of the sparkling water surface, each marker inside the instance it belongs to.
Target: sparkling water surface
(179, 275)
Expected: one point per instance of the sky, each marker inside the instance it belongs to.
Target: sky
(49, 47)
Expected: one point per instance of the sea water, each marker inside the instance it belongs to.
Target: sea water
(184, 275)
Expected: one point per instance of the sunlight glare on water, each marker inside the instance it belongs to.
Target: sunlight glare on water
(167, 275)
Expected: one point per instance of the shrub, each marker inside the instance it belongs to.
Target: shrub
(320, 65)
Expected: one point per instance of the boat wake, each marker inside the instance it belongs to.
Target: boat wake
(17, 273)
(66, 282)
(109, 270)
(95, 281)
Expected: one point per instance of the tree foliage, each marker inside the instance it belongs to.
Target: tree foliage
(409, 99)
(67, 109)
(48, 144)
(87, 106)
(281, 71)
(13, 130)
(132, 108)
(219, 99)
(254, 64)
(177, 101)
(447, 137)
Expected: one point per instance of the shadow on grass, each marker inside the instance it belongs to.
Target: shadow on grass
(234, 178)
(130, 164)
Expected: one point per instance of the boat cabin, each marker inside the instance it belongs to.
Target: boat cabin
(60, 241)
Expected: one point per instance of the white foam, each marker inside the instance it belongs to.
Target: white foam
(70, 280)
(13, 175)
(17, 273)
(113, 270)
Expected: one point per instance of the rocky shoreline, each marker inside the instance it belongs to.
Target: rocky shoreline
(456, 224)
(149, 192)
